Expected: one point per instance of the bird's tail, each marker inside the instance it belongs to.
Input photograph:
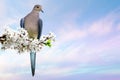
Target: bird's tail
(33, 60)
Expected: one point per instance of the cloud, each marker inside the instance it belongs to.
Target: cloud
(69, 30)
(100, 27)
(104, 25)
(118, 27)
(3, 8)
(9, 16)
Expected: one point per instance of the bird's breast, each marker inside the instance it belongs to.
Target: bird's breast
(31, 25)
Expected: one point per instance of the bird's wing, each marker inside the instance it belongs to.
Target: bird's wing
(22, 23)
(40, 24)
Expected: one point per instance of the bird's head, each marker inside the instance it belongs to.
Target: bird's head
(38, 8)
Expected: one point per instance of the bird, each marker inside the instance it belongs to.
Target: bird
(33, 24)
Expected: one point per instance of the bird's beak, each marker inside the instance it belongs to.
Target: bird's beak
(42, 11)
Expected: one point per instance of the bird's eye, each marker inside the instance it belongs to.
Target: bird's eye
(37, 6)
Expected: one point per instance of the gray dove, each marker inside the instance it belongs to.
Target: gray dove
(33, 24)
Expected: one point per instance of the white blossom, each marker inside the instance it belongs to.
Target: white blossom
(20, 41)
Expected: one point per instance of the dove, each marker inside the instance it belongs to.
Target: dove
(33, 24)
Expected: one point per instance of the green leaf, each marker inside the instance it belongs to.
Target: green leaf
(48, 43)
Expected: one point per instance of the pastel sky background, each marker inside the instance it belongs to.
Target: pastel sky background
(87, 43)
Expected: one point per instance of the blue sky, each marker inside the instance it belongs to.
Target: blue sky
(87, 43)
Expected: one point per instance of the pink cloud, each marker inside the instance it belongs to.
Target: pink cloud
(118, 27)
(70, 30)
(71, 33)
(104, 25)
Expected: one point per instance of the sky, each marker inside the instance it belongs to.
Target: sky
(87, 45)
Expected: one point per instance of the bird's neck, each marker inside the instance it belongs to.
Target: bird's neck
(35, 12)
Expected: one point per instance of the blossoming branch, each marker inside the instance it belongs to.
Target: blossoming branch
(20, 41)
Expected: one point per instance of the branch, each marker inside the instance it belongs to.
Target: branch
(20, 41)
